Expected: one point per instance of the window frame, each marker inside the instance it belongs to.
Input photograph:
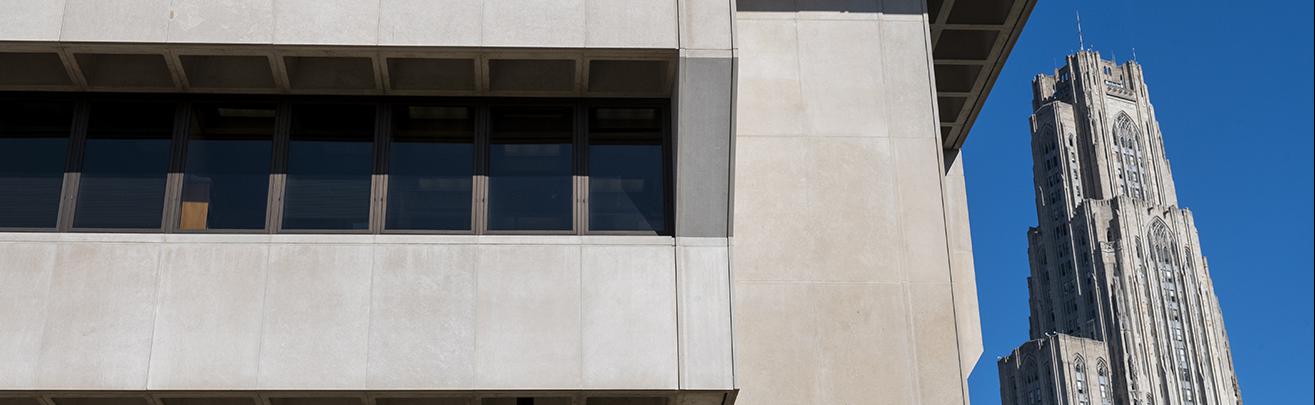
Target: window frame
(283, 153)
(73, 175)
(385, 161)
(178, 170)
(577, 159)
(382, 142)
(668, 169)
(75, 127)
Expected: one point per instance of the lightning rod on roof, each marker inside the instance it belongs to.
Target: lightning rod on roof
(1081, 41)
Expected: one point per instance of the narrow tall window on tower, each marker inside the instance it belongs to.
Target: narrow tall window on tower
(1080, 380)
(1128, 150)
(1103, 378)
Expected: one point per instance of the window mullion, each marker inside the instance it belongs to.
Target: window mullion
(580, 175)
(379, 178)
(278, 168)
(479, 187)
(177, 162)
(73, 167)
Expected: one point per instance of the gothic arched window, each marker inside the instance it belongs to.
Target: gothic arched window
(1080, 380)
(1132, 163)
(1031, 380)
(1103, 378)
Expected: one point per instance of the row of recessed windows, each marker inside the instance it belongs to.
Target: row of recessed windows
(260, 165)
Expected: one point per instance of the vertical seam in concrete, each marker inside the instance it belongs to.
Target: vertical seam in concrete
(805, 126)
(378, 38)
(474, 310)
(369, 312)
(63, 17)
(940, 159)
(680, 16)
(912, 337)
(155, 311)
(680, 348)
(264, 311)
(730, 315)
(274, 38)
(730, 184)
(579, 278)
(584, 43)
(45, 325)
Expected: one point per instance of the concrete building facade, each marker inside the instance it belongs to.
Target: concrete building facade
(490, 201)
(1115, 262)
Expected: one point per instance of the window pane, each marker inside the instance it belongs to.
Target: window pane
(330, 160)
(34, 139)
(530, 169)
(626, 182)
(124, 165)
(431, 164)
(226, 179)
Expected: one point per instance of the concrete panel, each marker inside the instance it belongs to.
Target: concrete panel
(776, 344)
(940, 378)
(317, 307)
(841, 69)
(706, 24)
(116, 21)
(908, 87)
(962, 273)
(325, 22)
(703, 146)
(100, 316)
(817, 209)
(527, 327)
(25, 275)
(208, 317)
(31, 20)
(222, 21)
(631, 24)
(770, 99)
(422, 317)
(922, 216)
(628, 317)
(704, 299)
(534, 23)
(430, 22)
(863, 339)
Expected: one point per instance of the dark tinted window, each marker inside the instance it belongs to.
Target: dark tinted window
(430, 168)
(124, 165)
(226, 179)
(626, 182)
(530, 169)
(34, 138)
(330, 160)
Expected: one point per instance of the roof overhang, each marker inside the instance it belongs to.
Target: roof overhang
(970, 41)
(339, 70)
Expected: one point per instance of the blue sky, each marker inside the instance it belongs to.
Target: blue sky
(1231, 83)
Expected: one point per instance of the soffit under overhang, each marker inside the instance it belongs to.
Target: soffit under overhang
(341, 70)
(971, 39)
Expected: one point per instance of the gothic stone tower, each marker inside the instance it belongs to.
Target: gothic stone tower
(1116, 264)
